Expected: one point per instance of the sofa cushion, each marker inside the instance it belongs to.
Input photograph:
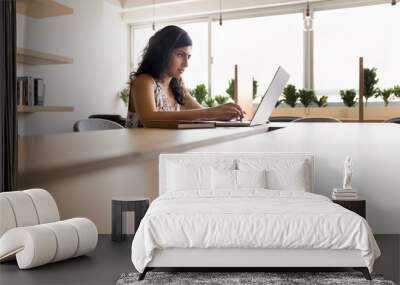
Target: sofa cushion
(46, 207)
(23, 208)
(7, 215)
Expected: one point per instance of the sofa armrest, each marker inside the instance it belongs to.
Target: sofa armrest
(40, 244)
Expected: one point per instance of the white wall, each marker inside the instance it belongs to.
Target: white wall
(97, 40)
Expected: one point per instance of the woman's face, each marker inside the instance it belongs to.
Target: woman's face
(178, 61)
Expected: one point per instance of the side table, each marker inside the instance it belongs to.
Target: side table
(122, 204)
(357, 206)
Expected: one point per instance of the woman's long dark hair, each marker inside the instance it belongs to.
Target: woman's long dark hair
(156, 56)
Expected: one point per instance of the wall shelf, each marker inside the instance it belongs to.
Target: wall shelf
(42, 8)
(32, 57)
(34, 109)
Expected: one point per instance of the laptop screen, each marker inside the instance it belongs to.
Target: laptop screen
(271, 96)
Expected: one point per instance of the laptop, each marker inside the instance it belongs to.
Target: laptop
(267, 104)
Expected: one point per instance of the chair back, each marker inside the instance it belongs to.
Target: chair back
(26, 208)
(317, 120)
(111, 117)
(283, 118)
(95, 125)
(393, 120)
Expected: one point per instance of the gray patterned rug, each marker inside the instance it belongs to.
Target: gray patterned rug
(243, 278)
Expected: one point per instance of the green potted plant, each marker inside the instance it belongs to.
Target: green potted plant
(370, 81)
(307, 97)
(199, 93)
(255, 87)
(322, 102)
(348, 97)
(385, 94)
(290, 96)
(124, 95)
(396, 90)
(229, 90)
(210, 102)
(221, 99)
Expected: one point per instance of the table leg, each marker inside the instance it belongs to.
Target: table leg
(116, 226)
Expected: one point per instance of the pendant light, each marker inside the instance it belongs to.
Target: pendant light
(394, 2)
(308, 14)
(154, 15)
(220, 12)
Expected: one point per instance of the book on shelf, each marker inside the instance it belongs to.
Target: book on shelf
(19, 91)
(24, 90)
(39, 92)
(169, 124)
(30, 91)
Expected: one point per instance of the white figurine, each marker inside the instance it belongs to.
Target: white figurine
(347, 173)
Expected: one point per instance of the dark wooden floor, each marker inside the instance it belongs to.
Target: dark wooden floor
(110, 260)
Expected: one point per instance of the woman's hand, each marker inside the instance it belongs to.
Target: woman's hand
(227, 112)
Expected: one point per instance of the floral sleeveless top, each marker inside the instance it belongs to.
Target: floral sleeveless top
(162, 105)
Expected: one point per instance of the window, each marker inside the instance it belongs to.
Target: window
(140, 39)
(197, 73)
(258, 46)
(342, 36)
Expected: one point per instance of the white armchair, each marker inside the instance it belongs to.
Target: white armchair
(31, 230)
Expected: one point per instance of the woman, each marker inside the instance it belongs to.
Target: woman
(157, 91)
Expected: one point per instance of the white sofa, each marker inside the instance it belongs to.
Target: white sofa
(31, 230)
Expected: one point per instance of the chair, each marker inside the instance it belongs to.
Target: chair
(32, 233)
(111, 117)
(317, 119)
(95, 125)
(283, 118)
(393, 120)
